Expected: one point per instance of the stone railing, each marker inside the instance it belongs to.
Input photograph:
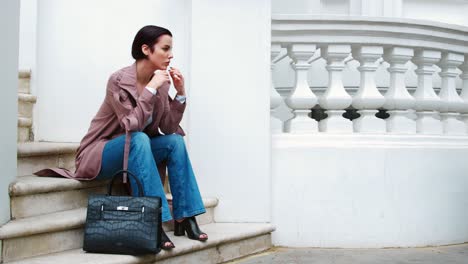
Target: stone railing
(371, 42)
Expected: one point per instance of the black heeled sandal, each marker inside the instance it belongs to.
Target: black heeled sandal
(164, 240)
(189, 225)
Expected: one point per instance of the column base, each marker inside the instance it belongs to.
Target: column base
(451, 125)
(400, 123)
(302, 123)
(335, 123)
(428, 124)
(464, 118)
(368, 122)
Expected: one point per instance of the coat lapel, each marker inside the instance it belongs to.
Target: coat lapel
(129, 80)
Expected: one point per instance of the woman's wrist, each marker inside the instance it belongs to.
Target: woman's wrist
(181, 92)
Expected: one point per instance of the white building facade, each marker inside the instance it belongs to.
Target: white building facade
(382, 161)
(395, 179)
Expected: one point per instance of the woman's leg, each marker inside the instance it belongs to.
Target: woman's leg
(187, 200)
(140, 162)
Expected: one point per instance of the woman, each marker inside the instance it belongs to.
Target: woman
(139, 123)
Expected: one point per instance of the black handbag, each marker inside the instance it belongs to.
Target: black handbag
(123, 224)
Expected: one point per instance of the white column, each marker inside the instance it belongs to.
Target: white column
(427, 102)
(371, 8)
(355, 7)
(464, 93)
(335, 100)
(9, 26)
(397, 99)
(452, 103)
(392, 8)
(302, 98)
(276, 125)
(368, 99)
(312, 6)
(220, 141)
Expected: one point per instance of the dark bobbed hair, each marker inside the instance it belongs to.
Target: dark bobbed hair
(148, 35)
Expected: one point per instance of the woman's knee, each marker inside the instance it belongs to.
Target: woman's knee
(139, 140)
(176, 140)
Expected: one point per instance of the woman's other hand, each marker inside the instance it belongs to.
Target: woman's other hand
(159, 79)
(178, 79)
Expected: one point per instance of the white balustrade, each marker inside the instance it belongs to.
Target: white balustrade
(302, 98)
(376, 42)
(427, 102)
(397, 99)
(464, 93)
(335, 100)
(368, 99)
(452, 103)
(276, 125)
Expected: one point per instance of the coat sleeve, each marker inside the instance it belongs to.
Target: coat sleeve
(172, 116)
(130, 118)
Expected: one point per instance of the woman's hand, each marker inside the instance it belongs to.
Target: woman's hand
(159, 79)
(178, 79)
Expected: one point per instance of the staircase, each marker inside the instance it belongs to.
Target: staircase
(48, 213)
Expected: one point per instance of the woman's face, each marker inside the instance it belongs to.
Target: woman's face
(162, 53)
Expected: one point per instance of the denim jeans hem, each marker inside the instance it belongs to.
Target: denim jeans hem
(167, 219)
(190, 213)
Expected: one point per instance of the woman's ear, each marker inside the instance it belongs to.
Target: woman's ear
(145, 49)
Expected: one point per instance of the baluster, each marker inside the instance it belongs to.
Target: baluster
(368, 99)
(427, 101)
(276, 125)
(302, 98)
(464, 93)
(335, 100)
(397, 98)
(452, 103)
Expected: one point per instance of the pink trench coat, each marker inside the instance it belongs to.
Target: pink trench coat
(123, 110)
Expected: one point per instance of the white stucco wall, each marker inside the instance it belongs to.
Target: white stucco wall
(229, 117)
(79, 44)
(9, 26)
(447, 11)
(369, 191)
(28, 26)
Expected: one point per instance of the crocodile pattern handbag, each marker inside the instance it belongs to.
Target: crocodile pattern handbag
(123, 224)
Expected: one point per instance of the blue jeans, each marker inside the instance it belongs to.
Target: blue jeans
(145, 154)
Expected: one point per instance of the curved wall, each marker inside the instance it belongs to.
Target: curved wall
(355, 191)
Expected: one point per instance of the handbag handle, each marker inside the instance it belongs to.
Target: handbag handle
(141, 191)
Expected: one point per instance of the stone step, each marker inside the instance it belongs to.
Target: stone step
(24, 79)
(59, 231)
(227, 241)
(25, 104)
(33, 195)
(24, 129)
(43, 234)
(34, 156)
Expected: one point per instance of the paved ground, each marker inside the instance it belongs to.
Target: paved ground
(456, 254)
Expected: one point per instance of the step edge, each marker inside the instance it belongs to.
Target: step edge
(24, 121)
(261, 230)
(126, 259)
(25, 97)
(24, 74)
(53, 222)
(36, 149)
(31, 185)
(68, 219)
